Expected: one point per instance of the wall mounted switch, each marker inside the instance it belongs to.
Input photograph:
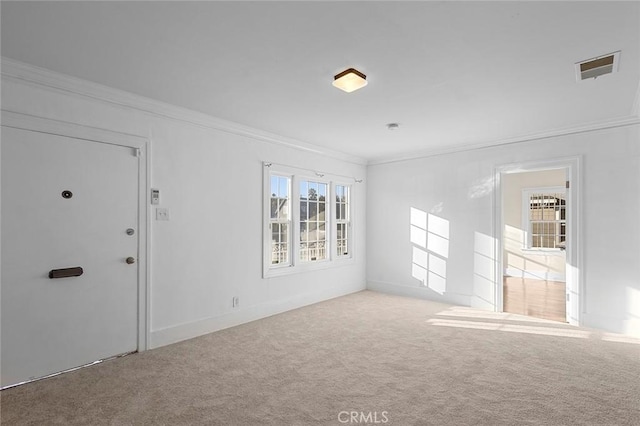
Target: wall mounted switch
(162, 214)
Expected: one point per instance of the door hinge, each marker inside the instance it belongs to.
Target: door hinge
(567, 184)
(568, 297)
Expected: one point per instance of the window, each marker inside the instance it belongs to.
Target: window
(546, 219)
(343, 237)
(313, 221)
(280, 220)
(301, 230)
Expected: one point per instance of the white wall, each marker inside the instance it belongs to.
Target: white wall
(457, 189)
(211, 182)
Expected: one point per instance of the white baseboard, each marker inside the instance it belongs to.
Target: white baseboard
(419, 292)
(167, 336)
(536, 275)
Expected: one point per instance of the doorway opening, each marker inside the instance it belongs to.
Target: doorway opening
(537, 237)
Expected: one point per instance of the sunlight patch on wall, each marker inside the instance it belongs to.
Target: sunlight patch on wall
(419, 227)
(484, 270)
(632, 326)
(633, 301)
(420, 265)
(532, 265)
(438, 245)
(418, 236)
(429, 266)
(482, 187)
(438, 207)
(514, 238)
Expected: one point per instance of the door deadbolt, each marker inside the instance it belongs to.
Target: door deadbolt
(130, 260)
(130, 231)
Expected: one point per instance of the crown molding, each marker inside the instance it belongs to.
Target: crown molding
(585, 128)
(42, 77)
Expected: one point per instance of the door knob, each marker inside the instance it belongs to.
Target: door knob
(130, 260)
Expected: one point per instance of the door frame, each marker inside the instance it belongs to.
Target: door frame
(140, 147)
(574, 252)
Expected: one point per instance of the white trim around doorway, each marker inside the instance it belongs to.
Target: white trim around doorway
(574, 252)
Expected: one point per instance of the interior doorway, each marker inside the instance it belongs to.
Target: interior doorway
(536, 223)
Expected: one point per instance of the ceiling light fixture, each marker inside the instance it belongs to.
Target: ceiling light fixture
(393, 126)
(350, 80)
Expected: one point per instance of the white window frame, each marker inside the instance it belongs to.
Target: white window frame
(526, 222)
(348, 221)
(327, 212)
(296, 265)
(271, 222)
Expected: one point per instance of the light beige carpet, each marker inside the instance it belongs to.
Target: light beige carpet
(384, 358)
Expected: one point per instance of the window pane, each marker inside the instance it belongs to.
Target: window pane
(279, 246)
(303, 231)
(342, 217)
(322, 191)
(342, 239)
(313, 191)
(284, 187)
(312, 220)
(283, 212)
(304, 190)
(547, 218)
(279, 202)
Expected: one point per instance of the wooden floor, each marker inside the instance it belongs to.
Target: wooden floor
(536, 298)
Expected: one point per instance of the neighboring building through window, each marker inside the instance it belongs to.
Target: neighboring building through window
(546, 219)
(280, 220)
(313, 221)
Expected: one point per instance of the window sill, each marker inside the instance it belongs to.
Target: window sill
(307, 267)
(544, 251)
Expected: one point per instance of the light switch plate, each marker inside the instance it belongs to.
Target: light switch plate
(162, 214)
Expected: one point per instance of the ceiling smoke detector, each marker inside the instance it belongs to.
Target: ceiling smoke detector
(595, 67)
(393, 126)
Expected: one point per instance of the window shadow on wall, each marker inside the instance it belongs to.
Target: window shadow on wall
(430, 249)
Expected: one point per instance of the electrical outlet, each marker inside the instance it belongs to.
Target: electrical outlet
(236, 301)
(162, 214)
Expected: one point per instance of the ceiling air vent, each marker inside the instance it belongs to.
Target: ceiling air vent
(595, 67)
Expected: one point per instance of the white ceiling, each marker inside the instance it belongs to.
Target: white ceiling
(451, 73)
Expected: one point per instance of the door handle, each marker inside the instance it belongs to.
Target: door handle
(130, 260)
(66, 272)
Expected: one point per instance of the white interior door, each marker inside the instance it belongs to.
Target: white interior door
(53, 324)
